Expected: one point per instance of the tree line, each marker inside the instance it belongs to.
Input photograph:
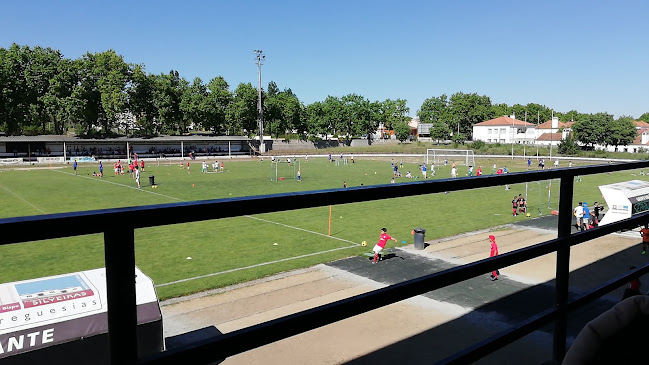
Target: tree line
(100, 94)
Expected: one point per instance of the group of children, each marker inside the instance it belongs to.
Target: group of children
(519, 205)
(216, 167)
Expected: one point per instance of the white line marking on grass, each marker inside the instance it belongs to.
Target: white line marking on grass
(353, 244)
(23, 199)
(252, 266)
(302, 229)
(118, 184)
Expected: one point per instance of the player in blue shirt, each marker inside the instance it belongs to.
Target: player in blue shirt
(586, 219)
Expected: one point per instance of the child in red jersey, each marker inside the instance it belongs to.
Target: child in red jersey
(383, 239)
(494, 252)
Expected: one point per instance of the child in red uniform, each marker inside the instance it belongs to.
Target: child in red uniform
(383, 239)
(645, 238)
(494, 252)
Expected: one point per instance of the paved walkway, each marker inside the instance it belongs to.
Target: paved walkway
(423, 329)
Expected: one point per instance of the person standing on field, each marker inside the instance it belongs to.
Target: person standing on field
(644, 232)
(494, 252)
(383, 239)
(579, 216)
(75, 166)
(137, 176)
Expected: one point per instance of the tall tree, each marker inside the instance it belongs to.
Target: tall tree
(591, 128)
(644, 117)
(220, 98)
(620, 132)
(242, 112)
(141, 96)
(465, 110)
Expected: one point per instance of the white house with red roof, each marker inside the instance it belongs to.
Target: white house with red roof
(504, 130)
(553, 131)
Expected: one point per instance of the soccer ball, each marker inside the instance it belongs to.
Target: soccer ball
(528, 215)
(364, 243)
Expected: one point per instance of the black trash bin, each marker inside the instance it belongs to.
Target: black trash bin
(151, 180)
(420, 234)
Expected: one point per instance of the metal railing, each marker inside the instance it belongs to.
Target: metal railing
(119, 251)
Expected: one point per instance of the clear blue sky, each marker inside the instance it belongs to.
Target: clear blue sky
(592, 56)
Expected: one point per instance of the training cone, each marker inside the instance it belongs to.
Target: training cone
(192, 185)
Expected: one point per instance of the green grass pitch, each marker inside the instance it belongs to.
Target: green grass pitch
(187, 258)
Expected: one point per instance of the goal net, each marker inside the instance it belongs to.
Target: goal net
(283, 170)
(443, 156)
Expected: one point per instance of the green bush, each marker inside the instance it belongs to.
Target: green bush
(478, 144)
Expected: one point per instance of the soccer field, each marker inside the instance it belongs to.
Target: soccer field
(187, 258)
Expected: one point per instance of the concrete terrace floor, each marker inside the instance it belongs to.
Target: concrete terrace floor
(423, 329)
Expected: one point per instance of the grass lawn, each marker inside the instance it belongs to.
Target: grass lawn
(233, 250)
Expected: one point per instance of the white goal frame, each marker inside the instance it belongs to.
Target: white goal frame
(437, 156)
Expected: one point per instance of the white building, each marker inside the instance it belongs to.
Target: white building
(504, 130)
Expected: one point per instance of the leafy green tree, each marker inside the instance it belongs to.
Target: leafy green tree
(591, 128)
(169, 90)
(141, 96)
(499, 110)
(241, 114)
(220, 98)
(644, 117)
(467, 110)
(395, 112)
(194, 105)
(440, 131)
(568, 146)
(316, 119)
(433, 109)
(620, 132)
(401, 130)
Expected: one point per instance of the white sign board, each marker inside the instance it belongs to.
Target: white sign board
(57, 309)
(625, 199)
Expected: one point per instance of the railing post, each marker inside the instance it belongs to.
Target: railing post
(563, 267)
(119, 251)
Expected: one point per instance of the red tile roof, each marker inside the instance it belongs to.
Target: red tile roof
(550, 137)
(548, 125)
(640, 123)
(505, 121)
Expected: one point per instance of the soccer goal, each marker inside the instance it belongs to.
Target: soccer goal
(442, 156)
(282, 170)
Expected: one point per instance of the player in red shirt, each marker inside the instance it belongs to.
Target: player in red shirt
(142, 165)
(479, 172)
(645, 238)
(383, 239)
(188, 168)
(494, 252)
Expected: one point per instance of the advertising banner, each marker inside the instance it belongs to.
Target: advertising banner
(8, 161)
(46, 160)
(82, 159)
(625, 199)
(58, 309)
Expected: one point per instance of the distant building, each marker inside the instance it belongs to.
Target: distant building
(504, 130)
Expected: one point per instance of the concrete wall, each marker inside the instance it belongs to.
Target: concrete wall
(295, 145)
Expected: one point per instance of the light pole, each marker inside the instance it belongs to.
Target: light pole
(259, 55)
(513, 131)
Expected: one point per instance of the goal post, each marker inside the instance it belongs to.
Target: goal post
(439, 156)
(282, 170)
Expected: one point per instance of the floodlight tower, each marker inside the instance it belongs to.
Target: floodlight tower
(259, 55)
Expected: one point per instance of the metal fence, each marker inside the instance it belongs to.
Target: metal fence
(119, 248)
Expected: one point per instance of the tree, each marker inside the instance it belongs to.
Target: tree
(591, 128)
(220, 98)
(644, 117)
(440, 131)
(433, 109)
(194, 105)
(241, 114)
(499, 110)
(402, 130)
(467, 110)
(169, 90)
(620, 132)
(568, 146)
(141, 97)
